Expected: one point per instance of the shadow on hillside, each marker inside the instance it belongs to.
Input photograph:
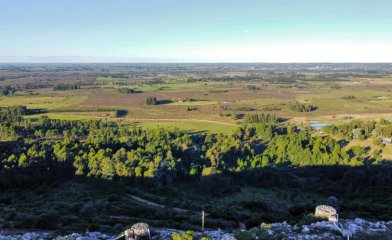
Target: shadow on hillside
(333, 177)
(34, 111)
(364, 191)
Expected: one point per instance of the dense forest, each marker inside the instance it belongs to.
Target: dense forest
(35, 150)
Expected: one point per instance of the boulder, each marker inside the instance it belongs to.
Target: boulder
(141, 229)
(137, 230)
(327, 212)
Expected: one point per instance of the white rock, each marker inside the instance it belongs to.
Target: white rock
(219, 234)
(359, 221)
(353, 228)
(328, 212)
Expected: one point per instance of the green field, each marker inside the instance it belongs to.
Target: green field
(221, 101)
(63, 116)
(191, 126)
(41, 102)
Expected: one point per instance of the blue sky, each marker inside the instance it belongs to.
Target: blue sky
(196, 30)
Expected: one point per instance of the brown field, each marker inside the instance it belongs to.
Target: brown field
(222, 101)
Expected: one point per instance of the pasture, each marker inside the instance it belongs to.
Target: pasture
(189, 97)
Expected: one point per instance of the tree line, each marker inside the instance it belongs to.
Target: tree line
(299, 107)
(66, 86)
(35, 150)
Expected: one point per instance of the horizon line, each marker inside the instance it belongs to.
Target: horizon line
(139, 60)
(196, 62)
(200, 62)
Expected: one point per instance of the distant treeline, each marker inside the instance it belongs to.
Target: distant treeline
(343, 76)
(349, 97)
(225, 78)
(282, 78)
(260, 118)
(299, 107)
(7, 90)
(115, 75)
(10, 90)
(27, 86)
(66, 86)
(129, 90)
(83, 110)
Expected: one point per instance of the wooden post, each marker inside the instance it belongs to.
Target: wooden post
(202, 221)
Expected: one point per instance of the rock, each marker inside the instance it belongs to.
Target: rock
(165, 233)
(242, 226)
(137, 230)
(85, 236)
(328, 212)
(323, 225)
(48, 236)
(141, 229)
(32, 236)
(359, 221)
(356, 228)
(263, 225)
(346, 233)
(353, 228)
(219, 235)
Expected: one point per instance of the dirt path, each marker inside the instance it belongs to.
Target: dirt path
(181, 120)
(145, 201)
(149, 203)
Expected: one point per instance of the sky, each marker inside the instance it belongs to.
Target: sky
(196, 31)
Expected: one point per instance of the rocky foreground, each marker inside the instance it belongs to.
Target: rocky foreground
(357, 229)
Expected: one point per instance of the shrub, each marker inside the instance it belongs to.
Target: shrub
(297, 210)
(47, 221)
(151, 101)
(252, 87)
(349, 97)
(244, 236)
(255, 205)
(129, 90)
(88, 210)
(260, 118)
(121, 113)
(188, 235)
(299, 107)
